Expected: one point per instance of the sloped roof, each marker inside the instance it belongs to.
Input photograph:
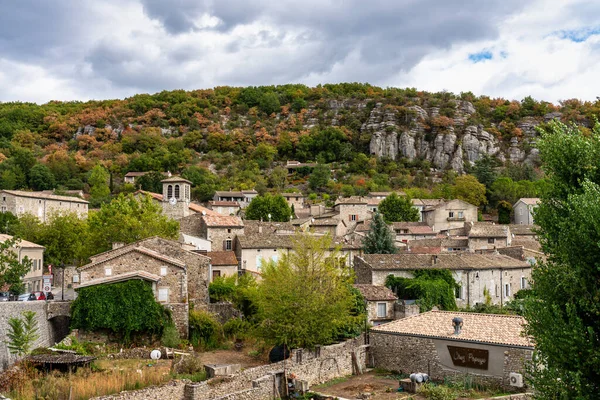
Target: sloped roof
(251, 227)
(486, 230)
(325, 222)
(375, 293)
(112, 254)
(300, 195)
(415, 228)
(530, 244)
(439, 242)
(530, 201)
(219, 258)
(224, 204)
(523, 230)
(175, 179)
(135, 173)
(222, 221)
(495, 329)
(44, 195)
(446, 203)
(224, 193)
(22, 243)
(192, 206)
(147, 276)
(350, 200)
(427, 202)
(453, 261)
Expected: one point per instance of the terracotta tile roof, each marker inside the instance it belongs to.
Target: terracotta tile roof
(523, 230)
(453, 261)
(351, 200)
(374, 292)
(222, 221)
(222, 258)
(482, 328)
(222, 193)
(439, 242)
(112, 254)
(325, 222)
(22, 243)
(224, 204)
(282, 241)
(486, 230)
(251, 227)
(134, 173)
(415, 228)
(147, 276)
(175, 179)
(43, 195)
(427, 202)
(529, 244)
(530, 201)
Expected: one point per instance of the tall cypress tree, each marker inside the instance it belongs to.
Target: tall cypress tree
(379, 240)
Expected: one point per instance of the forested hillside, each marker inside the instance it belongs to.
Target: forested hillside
(222, 138)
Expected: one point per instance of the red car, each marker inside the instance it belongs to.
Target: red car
(37, 296)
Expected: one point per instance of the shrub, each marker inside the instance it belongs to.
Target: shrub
(222, 289)
(205, 330)
(22, 333)
(170, 336)
(432, 392)
(189, 366)
(236, 328)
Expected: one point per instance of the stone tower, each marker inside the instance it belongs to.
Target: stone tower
(176, 197)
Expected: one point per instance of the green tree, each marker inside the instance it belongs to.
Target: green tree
(305, 298)
(319, 177)
(64, 235)
(504, 212)
(278, 178)
(8, 223)
(563, 316)
(485, 171)
(13, 270)
(127, 219)
(269, 208)
(41, 178)
(468, 188)
(396, 208)
(99, 189)
(204, 182)
(379, 239)
(269, 103)
(151, 182)
(22, 333)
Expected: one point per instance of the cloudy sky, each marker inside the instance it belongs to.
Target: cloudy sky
(98, 49)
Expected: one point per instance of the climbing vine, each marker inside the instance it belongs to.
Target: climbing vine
(430, 288)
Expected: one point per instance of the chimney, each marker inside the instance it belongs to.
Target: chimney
(117, 245)
(457, 323)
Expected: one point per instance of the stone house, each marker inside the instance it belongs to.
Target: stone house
(332, 226)
(297, 200)
(406, 231)
(243, 198)
(380, 303)
(449, 215)
(422, 204)
(225, 207)
(40, 204)
(496, 275)
(489, 348)
(523, 210)
(222, 263)
(352, 209)
(131, 176)
(484, 236)
(175, 212)
(438, 245)
(179, 277)
(219, 230)
(34, 252)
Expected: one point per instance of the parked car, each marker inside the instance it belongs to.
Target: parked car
(24, 297)
(49, 296)
(4, 296)
(37, 296)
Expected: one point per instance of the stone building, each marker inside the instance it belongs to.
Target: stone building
(380, 303)
(484, 236)
(225, 207)
(498, 275)
(406, 231)
(332, 226)
(176, 197)
(449, 215)
(438, 245)
(178, 277)
(298, 200)
(221, 231)
(243, 197)
(34, 252)
(422, 204)
(222, 263)
(490, 349)
(523, 210)
(40, 204)
(352, 209)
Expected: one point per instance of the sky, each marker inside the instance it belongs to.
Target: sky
(92, 49)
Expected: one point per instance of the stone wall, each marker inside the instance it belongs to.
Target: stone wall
(403, 310)
(170, 391)
(363, 271)
(180, 315)
(224, 311)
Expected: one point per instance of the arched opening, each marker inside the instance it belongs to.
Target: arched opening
(177, 192)
(59, 327)
(169, 191)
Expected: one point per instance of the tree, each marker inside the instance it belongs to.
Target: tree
(278, 178)
(128, 219)
(22, 333)
(12, 271)
(563, 316)
(319, 177)
(203, 181)
(269, 103)
(269, 208)
(64, 235)
(504, 212)
(41, 178)
(151, 182)
(484, 170)
(379, 239)
(8, 223)
(468, 188)
(305, 298)
(99, 189)
(398, 208)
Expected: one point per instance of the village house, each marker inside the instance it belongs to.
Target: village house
(131, 176)
(523, 210)
(406, 231)
(219, 230)
(294, 166)
(421, 204)
(499, 275)
(490, 349)
(224, 207)
(352, 209)
(332, 226)
(40, 204)
(222, 263)
(483, 236)
(243, 197)
(380, 303)
(35, 253)
(449, 215)
(179, 277)
(296, 200)
(438, 245)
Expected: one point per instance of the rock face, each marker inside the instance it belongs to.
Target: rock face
(415, 134)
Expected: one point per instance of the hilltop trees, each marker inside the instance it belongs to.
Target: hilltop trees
(563, 316)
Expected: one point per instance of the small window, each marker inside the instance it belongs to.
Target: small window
(229, 230)
(520, 211)
(163, 295)
(228, 244)
(169, 191)
(34, 265)
(3, 198)
(163, 271)
(458, 291)
(523, 282)
(451, 214)
(460, 214)
(216, 274)
(177, 191)
(381, 310)
(353, 217)
(107, 271)
(507, 290)
(491, 240)
(75, 278)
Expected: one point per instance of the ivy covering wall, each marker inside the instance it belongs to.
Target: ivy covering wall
(429, 288)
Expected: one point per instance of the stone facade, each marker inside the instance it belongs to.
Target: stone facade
(40, 204)
(352, 212)
(409, 354)
(178, 189)
(450, 215)
(373, 308)
(180, 315)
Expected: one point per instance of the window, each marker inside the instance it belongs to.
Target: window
(458, 291)
(353, 217)
(491, 240)
(381, 310)
(3, 208)
(520, 211)
(75, 278)
(163, 294)
(460, 214)
(107, 271)
(228, 230)
(163, 271)
(177, 191)
(216, 274)
(228, 244)
(34, 265)
(169, 192)
(451, 214)
(3, 198)
(507, 290)
(523, 282)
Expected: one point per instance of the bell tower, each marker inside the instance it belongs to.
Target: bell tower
(176, 197)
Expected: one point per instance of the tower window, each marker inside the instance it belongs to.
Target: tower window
(177, 191)
(169, 191)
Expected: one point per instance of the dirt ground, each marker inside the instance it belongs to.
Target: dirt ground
(230, 357)
(381, 387)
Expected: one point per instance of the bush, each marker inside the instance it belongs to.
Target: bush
(170, 336)
(236, 328)
(189, 366)
(205, 330)
(222, 289)
(432, 392)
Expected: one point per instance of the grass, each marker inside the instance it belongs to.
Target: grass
(334, 381)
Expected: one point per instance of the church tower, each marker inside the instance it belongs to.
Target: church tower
(176, 197)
